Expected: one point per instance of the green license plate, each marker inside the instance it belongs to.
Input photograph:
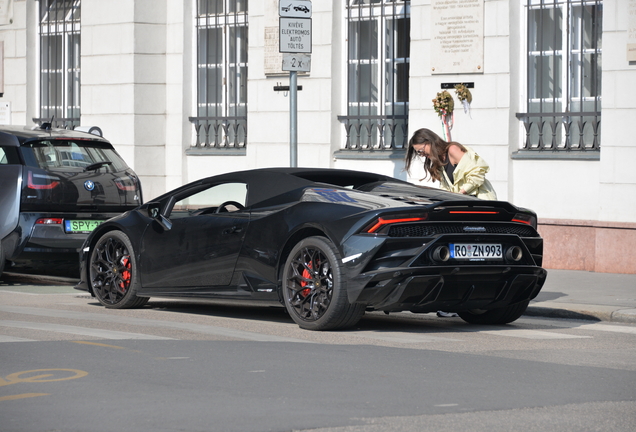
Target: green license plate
(81, 226)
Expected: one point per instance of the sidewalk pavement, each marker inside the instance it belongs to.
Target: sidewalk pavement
(586, 295)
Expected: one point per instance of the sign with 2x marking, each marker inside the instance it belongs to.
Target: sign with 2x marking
(296, 62)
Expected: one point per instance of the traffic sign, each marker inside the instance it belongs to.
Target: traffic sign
(294, 8)
(295, 35)
(295, 40)
(297, 62)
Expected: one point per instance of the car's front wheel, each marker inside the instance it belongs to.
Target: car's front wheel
(314, 287)
(113, 272)
(502, 315)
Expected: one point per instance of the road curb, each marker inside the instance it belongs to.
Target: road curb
(590, 313)
(625, 315)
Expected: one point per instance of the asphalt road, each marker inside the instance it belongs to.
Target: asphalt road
(67, 364)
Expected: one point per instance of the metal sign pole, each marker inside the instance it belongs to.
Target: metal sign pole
(294, 39)
(293, 119)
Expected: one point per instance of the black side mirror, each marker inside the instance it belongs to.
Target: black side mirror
(155, 212)
(154, 209)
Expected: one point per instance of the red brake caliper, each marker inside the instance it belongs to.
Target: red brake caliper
(125, 275)
(306, 275)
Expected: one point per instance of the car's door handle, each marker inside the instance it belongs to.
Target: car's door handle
(233, 230)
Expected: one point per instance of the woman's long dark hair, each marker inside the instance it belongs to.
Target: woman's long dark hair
(434, 164)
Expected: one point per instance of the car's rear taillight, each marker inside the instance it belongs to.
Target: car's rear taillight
(125, 184)
(49, 221)
(527, 219)
(41, 181)
(480, 212)
(380, 223)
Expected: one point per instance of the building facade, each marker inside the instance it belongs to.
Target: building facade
(184, 89)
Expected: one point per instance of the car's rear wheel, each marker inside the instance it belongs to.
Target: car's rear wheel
(314, 289)
(502, 315)
(113, 272)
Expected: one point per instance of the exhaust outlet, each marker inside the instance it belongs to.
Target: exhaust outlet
(441, 254)
(514, 253)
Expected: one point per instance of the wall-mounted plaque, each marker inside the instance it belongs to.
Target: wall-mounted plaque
(457, 36)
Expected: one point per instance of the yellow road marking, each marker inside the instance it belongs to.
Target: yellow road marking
(15, 378)
(24, 377)
(98, 344)
(22, 396)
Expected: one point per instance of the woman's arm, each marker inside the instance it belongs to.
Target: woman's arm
(471, 173)
(473, 178)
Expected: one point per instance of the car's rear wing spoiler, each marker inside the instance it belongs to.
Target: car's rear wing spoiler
(474, 204)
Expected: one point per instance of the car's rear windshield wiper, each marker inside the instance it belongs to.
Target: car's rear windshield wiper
(97, 165)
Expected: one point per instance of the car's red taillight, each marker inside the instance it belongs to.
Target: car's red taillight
(382, 222)
(525, 219)
(49, 221)
(473, 212)
(41, 181)
(125, 184)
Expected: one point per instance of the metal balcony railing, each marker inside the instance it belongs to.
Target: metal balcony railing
(564, 131)
(220, 132)
(375, 133)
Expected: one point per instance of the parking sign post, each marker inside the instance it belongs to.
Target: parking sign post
(295, 42)
(293, 119)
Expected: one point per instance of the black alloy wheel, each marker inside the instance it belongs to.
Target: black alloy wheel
(314, 289)
(113, 272)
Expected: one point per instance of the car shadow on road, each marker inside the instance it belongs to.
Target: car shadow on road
(371, 321)
(220, 309)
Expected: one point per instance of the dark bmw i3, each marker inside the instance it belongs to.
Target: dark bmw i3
(57, 185)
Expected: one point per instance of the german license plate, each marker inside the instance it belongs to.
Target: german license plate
(81, 226)
(475, 251)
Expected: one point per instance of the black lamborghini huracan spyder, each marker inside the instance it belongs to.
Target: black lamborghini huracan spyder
(328, 244)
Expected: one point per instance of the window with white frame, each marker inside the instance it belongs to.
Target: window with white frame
(221, 117)
(378, 35)
(59, 41)
(564, 75)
